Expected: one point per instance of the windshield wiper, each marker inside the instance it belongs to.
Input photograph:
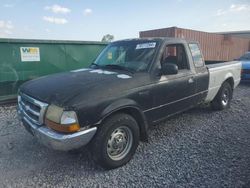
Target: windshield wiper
(96, 65)
(119, 67)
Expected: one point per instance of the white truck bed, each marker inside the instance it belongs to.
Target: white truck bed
(220, 72)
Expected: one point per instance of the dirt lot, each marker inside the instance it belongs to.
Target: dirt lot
(199, 148)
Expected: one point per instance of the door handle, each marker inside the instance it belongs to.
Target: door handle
(191, 80)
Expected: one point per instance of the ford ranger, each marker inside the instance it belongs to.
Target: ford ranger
(130, 86)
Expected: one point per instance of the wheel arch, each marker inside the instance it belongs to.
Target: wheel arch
(129, 107)
(217, 102)
(230, 80)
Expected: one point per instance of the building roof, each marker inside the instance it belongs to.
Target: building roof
(241, 34)
(234, 32)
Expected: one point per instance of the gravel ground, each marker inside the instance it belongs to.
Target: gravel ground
(199, 148)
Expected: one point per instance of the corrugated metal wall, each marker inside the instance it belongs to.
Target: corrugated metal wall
(165, 32)
(215, 47)
(55, 56)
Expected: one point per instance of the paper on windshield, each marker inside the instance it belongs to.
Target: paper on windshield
(146, 45)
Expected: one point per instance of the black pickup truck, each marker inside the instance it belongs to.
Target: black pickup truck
(130, 86)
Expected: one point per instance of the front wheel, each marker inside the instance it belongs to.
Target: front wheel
(223, 98)
(116, 141)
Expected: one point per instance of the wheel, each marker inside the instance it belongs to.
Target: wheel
(223, 98)
(116, 141)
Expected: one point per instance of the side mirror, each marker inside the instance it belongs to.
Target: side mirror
(169, 68)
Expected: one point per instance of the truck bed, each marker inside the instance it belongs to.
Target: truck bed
(214, 65)
(220, 72)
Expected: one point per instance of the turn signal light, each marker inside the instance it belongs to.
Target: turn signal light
(63, 128)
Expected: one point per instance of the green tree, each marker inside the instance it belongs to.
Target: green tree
(108, 38)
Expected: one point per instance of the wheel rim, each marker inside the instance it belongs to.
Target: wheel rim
(119, 143)
(225, 97)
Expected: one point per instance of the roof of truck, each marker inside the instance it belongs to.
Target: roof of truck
(160, 38)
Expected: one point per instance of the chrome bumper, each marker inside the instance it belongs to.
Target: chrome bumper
(55, 140)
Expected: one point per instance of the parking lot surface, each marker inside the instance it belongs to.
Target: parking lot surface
(199, 148)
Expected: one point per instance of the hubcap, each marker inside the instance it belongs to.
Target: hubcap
(225, 97)
(119, 143)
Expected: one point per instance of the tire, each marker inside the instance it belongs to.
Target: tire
(223, 98)
(116, 141)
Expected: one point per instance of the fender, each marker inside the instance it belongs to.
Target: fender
(131, 107)
(229, 75)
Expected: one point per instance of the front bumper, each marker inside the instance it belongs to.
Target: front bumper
(55, 140)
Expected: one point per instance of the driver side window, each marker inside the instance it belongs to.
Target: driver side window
(175, 54)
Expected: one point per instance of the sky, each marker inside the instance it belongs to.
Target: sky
(90, 20)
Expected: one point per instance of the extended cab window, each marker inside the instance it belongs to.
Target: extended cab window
(175, 53)
(196, 54)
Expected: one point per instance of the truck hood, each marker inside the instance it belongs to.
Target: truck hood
(69, 89)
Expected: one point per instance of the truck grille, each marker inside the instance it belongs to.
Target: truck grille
(31, 109)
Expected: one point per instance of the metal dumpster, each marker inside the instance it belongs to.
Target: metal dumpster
(22, 60)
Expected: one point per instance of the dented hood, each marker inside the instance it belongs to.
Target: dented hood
(68, 89)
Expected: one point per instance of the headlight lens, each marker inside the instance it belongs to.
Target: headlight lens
(68, 117)
(63, 121)
(54, 113)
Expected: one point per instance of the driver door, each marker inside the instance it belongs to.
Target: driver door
(173, 93)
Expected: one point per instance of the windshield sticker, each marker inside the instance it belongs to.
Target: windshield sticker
(79, 70)
(145, 45)
(110, 56)
(123, 76)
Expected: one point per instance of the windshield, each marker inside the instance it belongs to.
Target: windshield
(134, 56)
(246, 56)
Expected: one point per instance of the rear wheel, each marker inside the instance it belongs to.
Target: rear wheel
(116, 141)
(223, 97)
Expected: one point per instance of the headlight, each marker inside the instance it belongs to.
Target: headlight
(54, 113)
(68, 117)
(63, 121)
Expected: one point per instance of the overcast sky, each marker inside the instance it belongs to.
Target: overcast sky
(91, 19)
